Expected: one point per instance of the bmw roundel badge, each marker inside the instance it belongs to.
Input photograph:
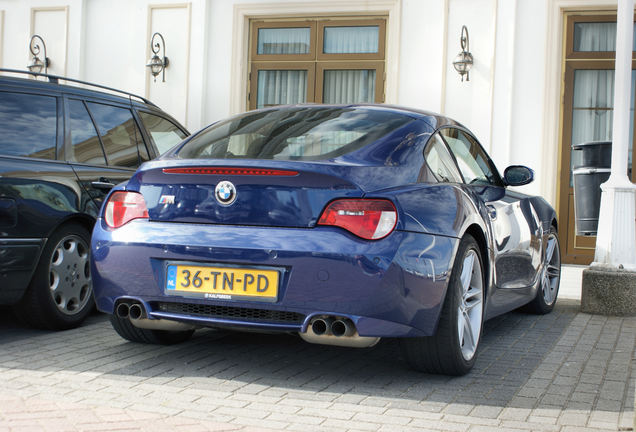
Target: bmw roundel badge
(225, 193)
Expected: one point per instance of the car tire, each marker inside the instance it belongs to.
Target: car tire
(549, 278)
(60, 294)
(453, 348)
(129, 331)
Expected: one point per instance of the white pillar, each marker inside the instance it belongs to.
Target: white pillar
(616, 239)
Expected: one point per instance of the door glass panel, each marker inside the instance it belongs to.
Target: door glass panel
(85, 145)
(120, 135)
(351, 40)
(163, 132)
(471, 159)
(592, 114)
(283, 40)
(596, 36)
(349, 86)
(281, 87)
(28, 125)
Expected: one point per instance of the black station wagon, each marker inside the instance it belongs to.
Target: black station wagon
(62, 148)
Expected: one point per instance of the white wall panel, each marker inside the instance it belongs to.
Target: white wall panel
(173, 22)
(470, 102)
(51, 23)
(422, 54)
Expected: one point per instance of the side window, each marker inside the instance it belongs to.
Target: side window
(119, 134)
(440, 161)
(163, 132)
(471, 159)
(85, 145)
(28, 125)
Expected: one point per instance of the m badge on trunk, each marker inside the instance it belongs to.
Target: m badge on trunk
(225, 193)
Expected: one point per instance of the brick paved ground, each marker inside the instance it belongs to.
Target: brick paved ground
(565, 371)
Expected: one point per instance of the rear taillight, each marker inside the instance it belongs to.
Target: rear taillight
(371, 219)
(122, 207)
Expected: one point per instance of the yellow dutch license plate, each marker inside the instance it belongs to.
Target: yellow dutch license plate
(223, 283)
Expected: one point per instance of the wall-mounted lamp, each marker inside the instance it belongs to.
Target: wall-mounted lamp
(36, 64)
(464, 60)
(158, 64)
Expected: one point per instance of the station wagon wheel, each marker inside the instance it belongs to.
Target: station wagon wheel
(549, 277)
(60, 294)
(453, 348)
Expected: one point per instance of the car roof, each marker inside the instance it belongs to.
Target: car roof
(53, 85)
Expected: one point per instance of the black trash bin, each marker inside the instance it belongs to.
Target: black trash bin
(591, 167)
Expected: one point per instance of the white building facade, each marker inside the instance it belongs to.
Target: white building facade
(540, 81)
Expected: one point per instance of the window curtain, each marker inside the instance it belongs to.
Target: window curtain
(351, 40)
(596, 36)
(281, 87)
(283, 40)
(349, 86)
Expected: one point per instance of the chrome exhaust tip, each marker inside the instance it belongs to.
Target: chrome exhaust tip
(122, 310)
(135, 311)
(342, 328)
(321, 326)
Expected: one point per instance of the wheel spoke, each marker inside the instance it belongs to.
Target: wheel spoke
(547, 290)
(470, 306)
(467, 272)
(469, 337)
(549, 250)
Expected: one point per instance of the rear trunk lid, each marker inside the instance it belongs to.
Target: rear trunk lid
(281, 194)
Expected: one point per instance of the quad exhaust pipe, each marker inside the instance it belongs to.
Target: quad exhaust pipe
(137, 315)
(338, 331)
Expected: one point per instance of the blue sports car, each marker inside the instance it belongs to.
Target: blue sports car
(343, 224)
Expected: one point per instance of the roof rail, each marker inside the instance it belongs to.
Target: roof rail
(56, 78)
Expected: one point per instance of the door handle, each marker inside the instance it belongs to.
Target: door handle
(103, 183)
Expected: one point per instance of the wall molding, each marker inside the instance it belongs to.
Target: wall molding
(240, 37)
(149, 33)
(65, 9)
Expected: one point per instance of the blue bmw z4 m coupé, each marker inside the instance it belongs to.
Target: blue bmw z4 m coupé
(343, 224)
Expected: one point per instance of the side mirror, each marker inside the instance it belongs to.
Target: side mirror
(518, 175)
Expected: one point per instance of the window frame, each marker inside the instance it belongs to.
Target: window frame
(321, 67)
(257, 25)
(570, 54)
(320, 41)
(316, 62)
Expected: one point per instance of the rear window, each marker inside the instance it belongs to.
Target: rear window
(303, 133)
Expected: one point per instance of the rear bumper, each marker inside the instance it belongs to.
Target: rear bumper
(18, 259)
(389, 288)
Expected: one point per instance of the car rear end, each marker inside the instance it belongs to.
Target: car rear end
(257, 224)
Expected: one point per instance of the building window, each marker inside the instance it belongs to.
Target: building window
(588, 104)
(318, 60)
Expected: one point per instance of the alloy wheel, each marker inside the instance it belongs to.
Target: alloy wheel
(551, 270)
(470, 309)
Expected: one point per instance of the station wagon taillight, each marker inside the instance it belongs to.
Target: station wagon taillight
(123, 206)
(370, 219)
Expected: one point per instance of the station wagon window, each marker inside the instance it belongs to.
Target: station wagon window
(28, 125)
(440, 161)
(120, 136)
(471, 159)
(85, 145)
(164, 133)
